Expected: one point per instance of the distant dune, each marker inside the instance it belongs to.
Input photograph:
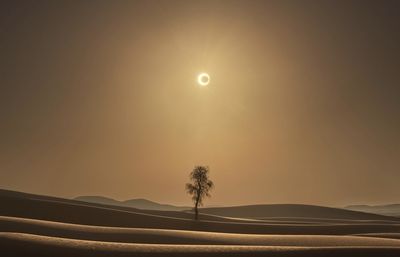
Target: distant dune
(291, 210)
(134, 203)
(34, 225)
(388, 209)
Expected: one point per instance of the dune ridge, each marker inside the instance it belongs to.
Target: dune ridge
(164, 236)
(15, 244)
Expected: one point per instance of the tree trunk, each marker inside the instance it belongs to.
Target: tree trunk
(196, 210)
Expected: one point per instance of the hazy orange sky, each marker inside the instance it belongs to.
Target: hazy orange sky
(100, 98)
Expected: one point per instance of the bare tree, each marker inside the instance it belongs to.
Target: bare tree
(200, 187)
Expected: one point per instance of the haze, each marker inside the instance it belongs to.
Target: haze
(303, 104)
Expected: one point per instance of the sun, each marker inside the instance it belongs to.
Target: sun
(203, 79)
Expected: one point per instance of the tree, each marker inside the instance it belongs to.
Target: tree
(200, 187)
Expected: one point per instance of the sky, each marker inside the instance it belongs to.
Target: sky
(101, 98)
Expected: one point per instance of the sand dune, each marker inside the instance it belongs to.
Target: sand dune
(15, 204)
(387, 209)
(162, 236)
(17, 244)
(56, 209)
(324, 220)
(32, 225)
(381, 235)
(251, 212)
(138, 203)
(263, 211)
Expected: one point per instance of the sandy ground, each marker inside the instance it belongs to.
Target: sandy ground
(17, 244)
(44, 226)
(163, 236)
(80, 213)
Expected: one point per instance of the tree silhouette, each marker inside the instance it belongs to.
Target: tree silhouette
(200, 187)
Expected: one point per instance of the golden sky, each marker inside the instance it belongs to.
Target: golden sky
(101, 98)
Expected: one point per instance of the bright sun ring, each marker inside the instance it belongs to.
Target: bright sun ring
(203, 79)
